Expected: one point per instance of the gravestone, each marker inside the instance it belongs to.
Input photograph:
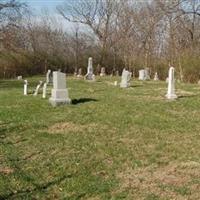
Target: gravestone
(117, 73)
(59, 93)
(48, 76)
(79, 73)
(115, 83)
(19, 78)
(126, 77)
(25, 87)
(44, 93)
(90, 76)
(147, 74)
(156, 77)
(37, 88)
(171, 85)
(103, 71)
(144, 74)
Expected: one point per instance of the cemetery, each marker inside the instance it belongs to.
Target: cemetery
(81, 119)
(102, 140)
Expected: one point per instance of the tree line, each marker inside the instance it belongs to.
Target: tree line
(117, 34)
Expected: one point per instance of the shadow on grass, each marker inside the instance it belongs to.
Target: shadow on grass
(134, 86)
(40, 188)
(187, 96)
(82, 100)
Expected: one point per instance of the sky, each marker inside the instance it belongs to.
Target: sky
(38, 5)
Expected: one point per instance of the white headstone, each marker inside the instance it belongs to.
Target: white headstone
(103, 71)
(19, 78)
(156, 77)
(171, 85)
(59, 93)
(25, 87)
(44, 93)
(142, 74)
(48, 76)
(79, 73)
(90, 76)
(126, 77)
(37, 88)
(147, 74)
(115, 83)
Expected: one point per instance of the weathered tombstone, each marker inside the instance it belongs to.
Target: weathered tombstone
(103, 71)
(90, 76)
(147, 74)
(79, 73)
(126, 77)
(37, 88)
(156, 77)
(19, 78)
(25, 87)
(117, 73)
(115, 83)
(171, 85)
(59, 93)
(44, 93)
(142, 74)
(48, 76)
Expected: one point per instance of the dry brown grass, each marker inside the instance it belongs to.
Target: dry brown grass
(167, 181)
(6, 170)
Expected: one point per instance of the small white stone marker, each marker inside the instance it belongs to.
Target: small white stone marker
(126, 77)
(156, 77)
(25, 87)
(115, 83)
(44, 93)
(103, 71)
(90, 76)
(48, 76)
(171, 85)
(19, 78)
(37, 88)
(59, 93)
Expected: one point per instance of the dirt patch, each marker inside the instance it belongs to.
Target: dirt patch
(65, 126)
(6, 171)
(174, 180)
(72, 127)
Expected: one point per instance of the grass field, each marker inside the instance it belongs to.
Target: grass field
(111, 143)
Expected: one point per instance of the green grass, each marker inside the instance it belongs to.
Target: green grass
(112, 143)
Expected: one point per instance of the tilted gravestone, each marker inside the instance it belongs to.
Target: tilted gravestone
(59, 93)
(38, 88)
